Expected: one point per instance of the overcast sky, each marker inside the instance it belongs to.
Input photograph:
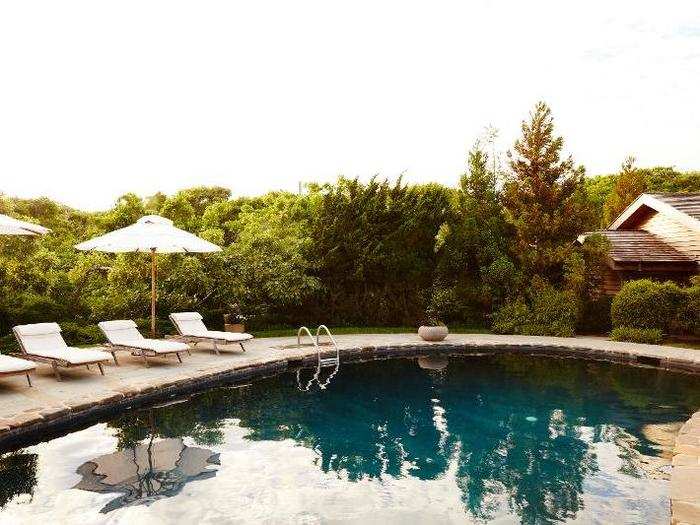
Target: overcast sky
(100, 98)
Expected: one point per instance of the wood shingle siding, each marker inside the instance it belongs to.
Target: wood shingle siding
(673, 232)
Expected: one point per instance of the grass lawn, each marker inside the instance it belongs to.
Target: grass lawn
(339, 330)
(682, 344)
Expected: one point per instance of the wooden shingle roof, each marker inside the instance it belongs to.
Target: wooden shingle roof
(688, 203)
(633, 246)
(681, 207)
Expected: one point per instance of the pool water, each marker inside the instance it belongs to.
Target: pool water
(510, 439)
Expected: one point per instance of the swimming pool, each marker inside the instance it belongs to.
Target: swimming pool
(499, 438)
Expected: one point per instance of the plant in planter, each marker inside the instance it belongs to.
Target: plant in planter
(432, 329)
(234, 320)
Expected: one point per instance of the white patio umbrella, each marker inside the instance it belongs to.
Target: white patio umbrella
(153, 234)
(10, 226)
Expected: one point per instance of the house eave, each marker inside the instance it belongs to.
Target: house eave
(657, 205)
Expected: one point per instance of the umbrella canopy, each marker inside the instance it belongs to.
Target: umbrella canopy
(10, 226)
(153, 234)
(146, 473)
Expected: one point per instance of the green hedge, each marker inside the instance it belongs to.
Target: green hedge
(687, 318)
(595, 316)
(651, 336)
(545, 311)
(667, 307)
(77, 334)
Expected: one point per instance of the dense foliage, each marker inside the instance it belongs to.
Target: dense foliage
(629, 185)
(497, 247)
(650, 305)
(544, 198)
(649, 336)
(602, 188)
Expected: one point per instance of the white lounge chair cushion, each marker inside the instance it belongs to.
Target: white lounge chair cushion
(40, 336)
(186, 316)
(190, 323)
(118, 332)
(74, 356)
(231, 337)
(156, 345)
(9, 365)
(38, 329)
(120, 324)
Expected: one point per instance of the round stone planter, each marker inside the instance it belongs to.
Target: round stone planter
(433, 333)
(234, 327)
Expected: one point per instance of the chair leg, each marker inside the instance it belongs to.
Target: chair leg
(29, 379)
(178, 356)
(102, 370)
(114, 356)
(56, 372)
(216, 348)
(87, 366)
(144, 359)
(243, 347)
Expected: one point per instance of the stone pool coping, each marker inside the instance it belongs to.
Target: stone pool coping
(51, 408)
(685, 474)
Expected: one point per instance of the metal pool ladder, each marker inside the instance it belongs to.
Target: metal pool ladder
(326, 362)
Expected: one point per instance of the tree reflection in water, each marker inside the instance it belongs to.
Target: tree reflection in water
(510, 427)
(17, 475)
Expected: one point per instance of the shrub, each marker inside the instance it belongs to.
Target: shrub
(687, 319)
(163, 326)
(651, 336)
(595, 316)
(77, 334)
(511, 317)
(646, 304)
(450, 305)
(547, 311)
(37, 309)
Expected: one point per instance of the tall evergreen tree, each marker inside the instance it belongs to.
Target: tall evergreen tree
(544, 198)
(479, 182)
(629, 185)
(473, 270)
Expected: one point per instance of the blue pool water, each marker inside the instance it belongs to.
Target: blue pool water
(480, 439)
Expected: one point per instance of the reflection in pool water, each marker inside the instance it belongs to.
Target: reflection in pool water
(509, 439)
(147, 472)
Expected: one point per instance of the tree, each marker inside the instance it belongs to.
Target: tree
(374, 249)
(479, 182)
(473, 270)
(657, 180)
(629, 185)
(272, 268)
(544, 198)
(128, 209)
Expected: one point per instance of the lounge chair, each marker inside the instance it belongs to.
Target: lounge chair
(123, 335)
(11, 366)
(191, 329)
(43, 343)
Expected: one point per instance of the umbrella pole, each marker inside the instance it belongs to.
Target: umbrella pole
(153, 292)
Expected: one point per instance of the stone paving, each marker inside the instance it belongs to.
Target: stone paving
(685, 478)
(85, 393)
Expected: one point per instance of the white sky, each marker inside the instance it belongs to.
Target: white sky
(100, 98)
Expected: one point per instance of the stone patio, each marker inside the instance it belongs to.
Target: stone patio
(83, 394)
